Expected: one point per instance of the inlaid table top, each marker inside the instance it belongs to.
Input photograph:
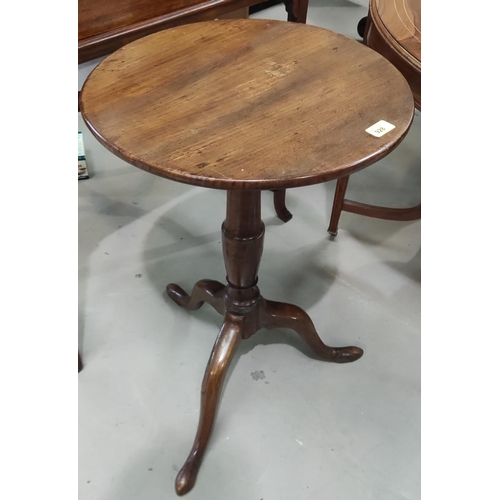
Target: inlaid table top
(246, 104)
(402, 20)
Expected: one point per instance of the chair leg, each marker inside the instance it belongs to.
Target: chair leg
(338, 202)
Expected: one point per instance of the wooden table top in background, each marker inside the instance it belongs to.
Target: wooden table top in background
(246, 104)
(394, 30)
(402, 20)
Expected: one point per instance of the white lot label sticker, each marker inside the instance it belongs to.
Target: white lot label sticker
(380, 128)
(81, 149)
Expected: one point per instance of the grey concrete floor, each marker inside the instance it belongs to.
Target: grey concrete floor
(309, 429)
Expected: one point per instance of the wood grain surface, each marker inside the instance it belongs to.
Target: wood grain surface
(402, 20)
(96, 16)
(246, 104)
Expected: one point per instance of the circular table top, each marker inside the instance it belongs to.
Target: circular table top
(246, 104)
(402, 20)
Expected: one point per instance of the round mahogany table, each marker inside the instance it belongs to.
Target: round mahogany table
(393, 29)
(245, 105)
